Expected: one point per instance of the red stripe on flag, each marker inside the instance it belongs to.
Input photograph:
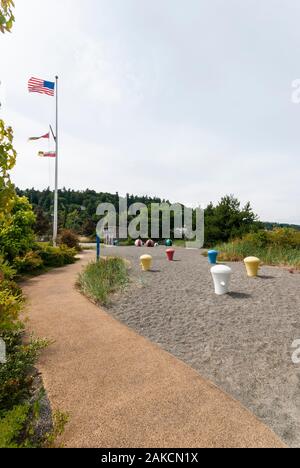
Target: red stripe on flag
(36, 85)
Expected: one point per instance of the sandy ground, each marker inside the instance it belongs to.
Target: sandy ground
(241, 341)
(120, 389)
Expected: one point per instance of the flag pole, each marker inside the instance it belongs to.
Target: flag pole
(55, 218)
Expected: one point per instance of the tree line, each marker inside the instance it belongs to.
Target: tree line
(77, 211)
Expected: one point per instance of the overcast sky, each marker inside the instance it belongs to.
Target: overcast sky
(187, 100)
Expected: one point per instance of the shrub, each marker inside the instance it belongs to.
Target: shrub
(11, 302)
(102, 278)
(16, 374)
(68, 254)
(44, 257)
(285, 237)
(57, 256)
(42, 224)
(69, 238)
(6, 270)
(12, 425)
(30, 262)
(278, 247)
(60, 420)
(16, 234)
(19, 401)
(258, 239)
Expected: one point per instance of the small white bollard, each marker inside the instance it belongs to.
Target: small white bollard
(221, 275)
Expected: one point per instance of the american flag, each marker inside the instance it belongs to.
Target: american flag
(36, 85)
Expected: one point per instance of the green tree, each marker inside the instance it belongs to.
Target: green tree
(228, 220)
(7, 161)
(16, 215)
(89, 227)
(42, 224)
(73, 221)
(16, 232)
(6, 15)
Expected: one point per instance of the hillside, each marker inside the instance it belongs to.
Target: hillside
(77, 211)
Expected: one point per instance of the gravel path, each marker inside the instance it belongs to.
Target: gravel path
(241, 341)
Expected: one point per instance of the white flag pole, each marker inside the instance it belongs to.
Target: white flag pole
(55, 218)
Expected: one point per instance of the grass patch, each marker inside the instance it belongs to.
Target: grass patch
(100, 279)
(280, 247)
(179, 242)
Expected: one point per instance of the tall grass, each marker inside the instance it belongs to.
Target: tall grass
(100, 279)
(279, 247)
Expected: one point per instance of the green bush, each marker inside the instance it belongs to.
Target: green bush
(285, 237)
(16, 374)
(44, 257)
(16, 233)
(69, 238)
(19, 426)
(278, 247)
(29, 263)
(12, 426)
(19, 404)
(11, 299)
(102, 278)
(57, 256)
(6, 270)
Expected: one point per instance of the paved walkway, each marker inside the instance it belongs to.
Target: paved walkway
(121, 390)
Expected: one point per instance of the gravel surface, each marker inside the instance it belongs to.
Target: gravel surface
(242, 341)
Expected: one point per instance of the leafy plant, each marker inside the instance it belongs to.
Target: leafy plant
(100, 279)
(44, 257)
(16, 376)
(42, 224)
(60, 419)
(57, 256)
(7, 272)
(228, 220)
(7, 161)
(69, 238)
(278, 247)
(16, 233)
(6, 15)
(18, 427)
(11, 302)
(30, 262)
(12, 425)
